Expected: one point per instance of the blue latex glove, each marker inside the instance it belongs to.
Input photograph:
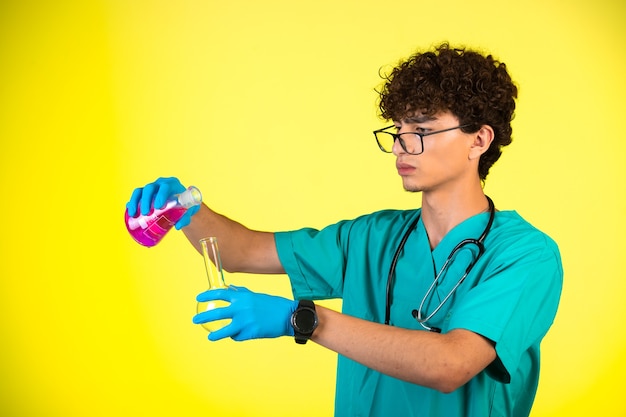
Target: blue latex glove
(254, 315)
(156, 194)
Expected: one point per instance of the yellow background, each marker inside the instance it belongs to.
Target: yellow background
(268, 107)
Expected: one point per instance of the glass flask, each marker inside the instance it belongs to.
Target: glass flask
(148, 230)
(215, 275)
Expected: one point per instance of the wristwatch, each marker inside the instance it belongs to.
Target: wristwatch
(304, 321)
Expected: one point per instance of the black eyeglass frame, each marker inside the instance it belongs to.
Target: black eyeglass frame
(398, 136)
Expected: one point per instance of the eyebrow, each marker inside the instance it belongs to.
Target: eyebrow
(419, 119)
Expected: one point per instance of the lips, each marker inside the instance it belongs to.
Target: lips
(404, 169)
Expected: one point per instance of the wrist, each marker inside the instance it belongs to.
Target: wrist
(292, 309)
(304, 321)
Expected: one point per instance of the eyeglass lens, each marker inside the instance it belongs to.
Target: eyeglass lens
(410, 142)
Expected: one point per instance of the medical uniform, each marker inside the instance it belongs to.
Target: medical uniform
(510, 297)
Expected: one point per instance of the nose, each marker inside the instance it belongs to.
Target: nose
(397, 148)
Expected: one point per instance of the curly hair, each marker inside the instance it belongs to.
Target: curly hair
(477, 89)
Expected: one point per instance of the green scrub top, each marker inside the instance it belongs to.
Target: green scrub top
(510, 297)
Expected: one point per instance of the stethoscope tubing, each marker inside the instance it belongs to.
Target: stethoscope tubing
(417, 313)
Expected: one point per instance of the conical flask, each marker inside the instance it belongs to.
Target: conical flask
(215, 275)
(148, 230)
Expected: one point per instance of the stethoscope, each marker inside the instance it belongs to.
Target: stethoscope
(417, 314)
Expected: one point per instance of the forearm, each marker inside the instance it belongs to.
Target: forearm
(241, 249)
(440, 361)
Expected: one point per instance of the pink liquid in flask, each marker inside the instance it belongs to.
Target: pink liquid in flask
(148, 230)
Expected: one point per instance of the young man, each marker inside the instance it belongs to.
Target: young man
(444, 307)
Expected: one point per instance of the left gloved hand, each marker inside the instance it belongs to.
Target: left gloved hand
(254, 315)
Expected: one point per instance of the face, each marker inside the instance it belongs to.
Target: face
(446, 160)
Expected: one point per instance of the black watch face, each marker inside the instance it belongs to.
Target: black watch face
(305, 320)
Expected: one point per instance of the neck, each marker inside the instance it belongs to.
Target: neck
(442, 212)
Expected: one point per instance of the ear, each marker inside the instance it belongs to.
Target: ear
(482, 141)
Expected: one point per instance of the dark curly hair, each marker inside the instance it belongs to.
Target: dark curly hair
(477, 89)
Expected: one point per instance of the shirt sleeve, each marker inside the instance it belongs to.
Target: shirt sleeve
(515, 302)
(314, 260)
(322, 263)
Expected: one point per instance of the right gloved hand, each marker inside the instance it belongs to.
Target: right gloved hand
(254, 315)
(156, 195)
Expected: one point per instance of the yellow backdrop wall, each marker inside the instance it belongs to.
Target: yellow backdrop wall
(268, 108)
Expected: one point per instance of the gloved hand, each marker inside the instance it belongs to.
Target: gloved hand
(254, 315)
(156, 195)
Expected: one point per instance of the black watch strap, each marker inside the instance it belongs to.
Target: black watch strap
(304, 321)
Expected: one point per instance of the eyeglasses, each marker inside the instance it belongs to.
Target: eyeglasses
(411, 142)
